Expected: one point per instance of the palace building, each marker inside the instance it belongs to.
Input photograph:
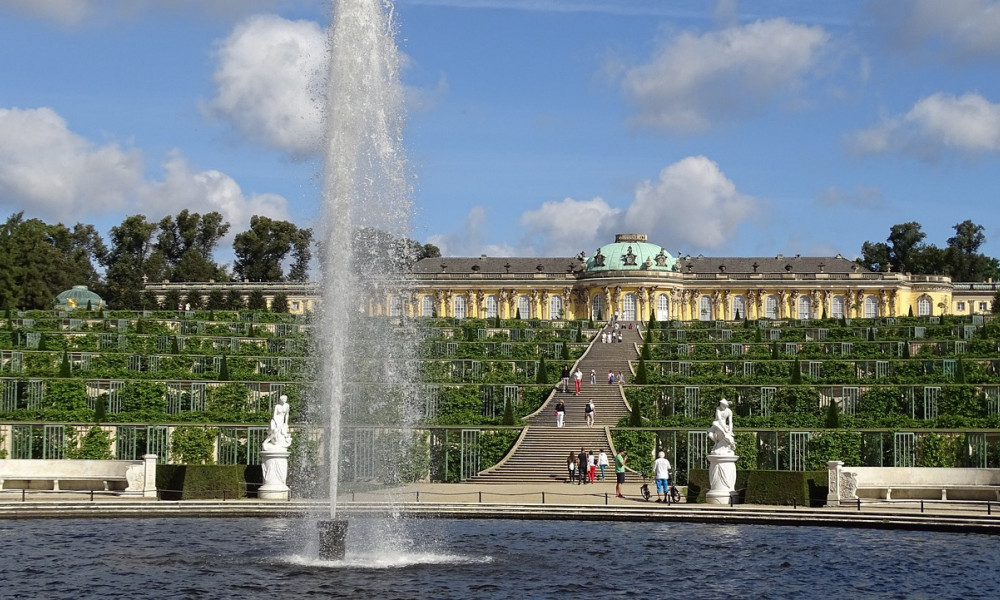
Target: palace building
(635, 279)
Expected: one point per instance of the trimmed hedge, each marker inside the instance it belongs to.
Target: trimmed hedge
(201, 482)
(803, 488)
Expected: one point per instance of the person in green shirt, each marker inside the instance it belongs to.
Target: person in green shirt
(620, 459)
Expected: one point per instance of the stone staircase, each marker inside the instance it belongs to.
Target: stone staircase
(541, 454)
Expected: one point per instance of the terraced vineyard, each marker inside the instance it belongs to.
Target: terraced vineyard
(883, 392)
(199, 386)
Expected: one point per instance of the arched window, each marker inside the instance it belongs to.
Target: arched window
(871, 307)
(597, 311)
(492, 307)
(771, 307)
(662, 307)
(805, 308)
(524, 306)
(628, 307)
(459, 307)
(705, 308)
(739, 307)
(395, 306)
(837, 307)
(555, 307)
(427, 306)
(924, 307)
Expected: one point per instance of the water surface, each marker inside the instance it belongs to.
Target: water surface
(267, 558)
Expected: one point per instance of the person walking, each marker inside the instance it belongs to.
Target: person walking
(611, 377)
(620, 460)
(564, 379)
(593, 377)
(591, 466)
(589, 411)
(602, 462)
(570, 461)
(577, 380)
(661, 471)
(582, 461)
(560, 413)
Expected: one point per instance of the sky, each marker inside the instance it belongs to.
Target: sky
(533, 127)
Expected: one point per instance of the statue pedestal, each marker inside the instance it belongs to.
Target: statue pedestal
(275, 465)
(722, 477)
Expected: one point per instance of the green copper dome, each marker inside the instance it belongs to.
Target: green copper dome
(631, 251)
(78, 297)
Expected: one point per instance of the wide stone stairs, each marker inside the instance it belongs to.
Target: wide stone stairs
(541, 454)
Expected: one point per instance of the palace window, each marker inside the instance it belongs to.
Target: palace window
(395, 306)
(555, 307)
(662, 308)
(805, 308)
(960, 306)
(597, 308)
(771, 307)
(871, 307)
(524, 306)
(837, 307)
(459, 307)
(492, 307)
(427, 306)
(628, 307)
(705, 308)
(924, 307)
(739, 307)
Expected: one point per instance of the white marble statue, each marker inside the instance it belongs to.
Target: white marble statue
(278, 437)
(721, 431)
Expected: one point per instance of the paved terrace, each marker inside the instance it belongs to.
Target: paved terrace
(556, 501)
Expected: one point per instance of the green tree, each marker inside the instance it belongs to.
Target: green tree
(216, 300)
(256, 300)
(186, 244)
(964, 262)
(279, 304)
(128, 263)
(542, 376)
(832, 415)
(262, 250)
(235, 301)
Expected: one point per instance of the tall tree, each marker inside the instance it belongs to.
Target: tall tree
(262, 250)
(186, 244)
(962, 257)
(128, 263)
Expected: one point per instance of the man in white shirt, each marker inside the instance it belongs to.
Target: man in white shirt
(661, 470)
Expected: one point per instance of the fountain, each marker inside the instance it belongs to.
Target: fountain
(365, 191)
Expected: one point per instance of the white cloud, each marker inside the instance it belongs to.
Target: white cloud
(569, 226)
(203, 192)
(54, 174)
(697, 80)
(692, 203)
(939, 123)
(270, 78)
(957, 29)
(57, 174)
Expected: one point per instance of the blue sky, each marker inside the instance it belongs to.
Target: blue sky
(534, 127)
